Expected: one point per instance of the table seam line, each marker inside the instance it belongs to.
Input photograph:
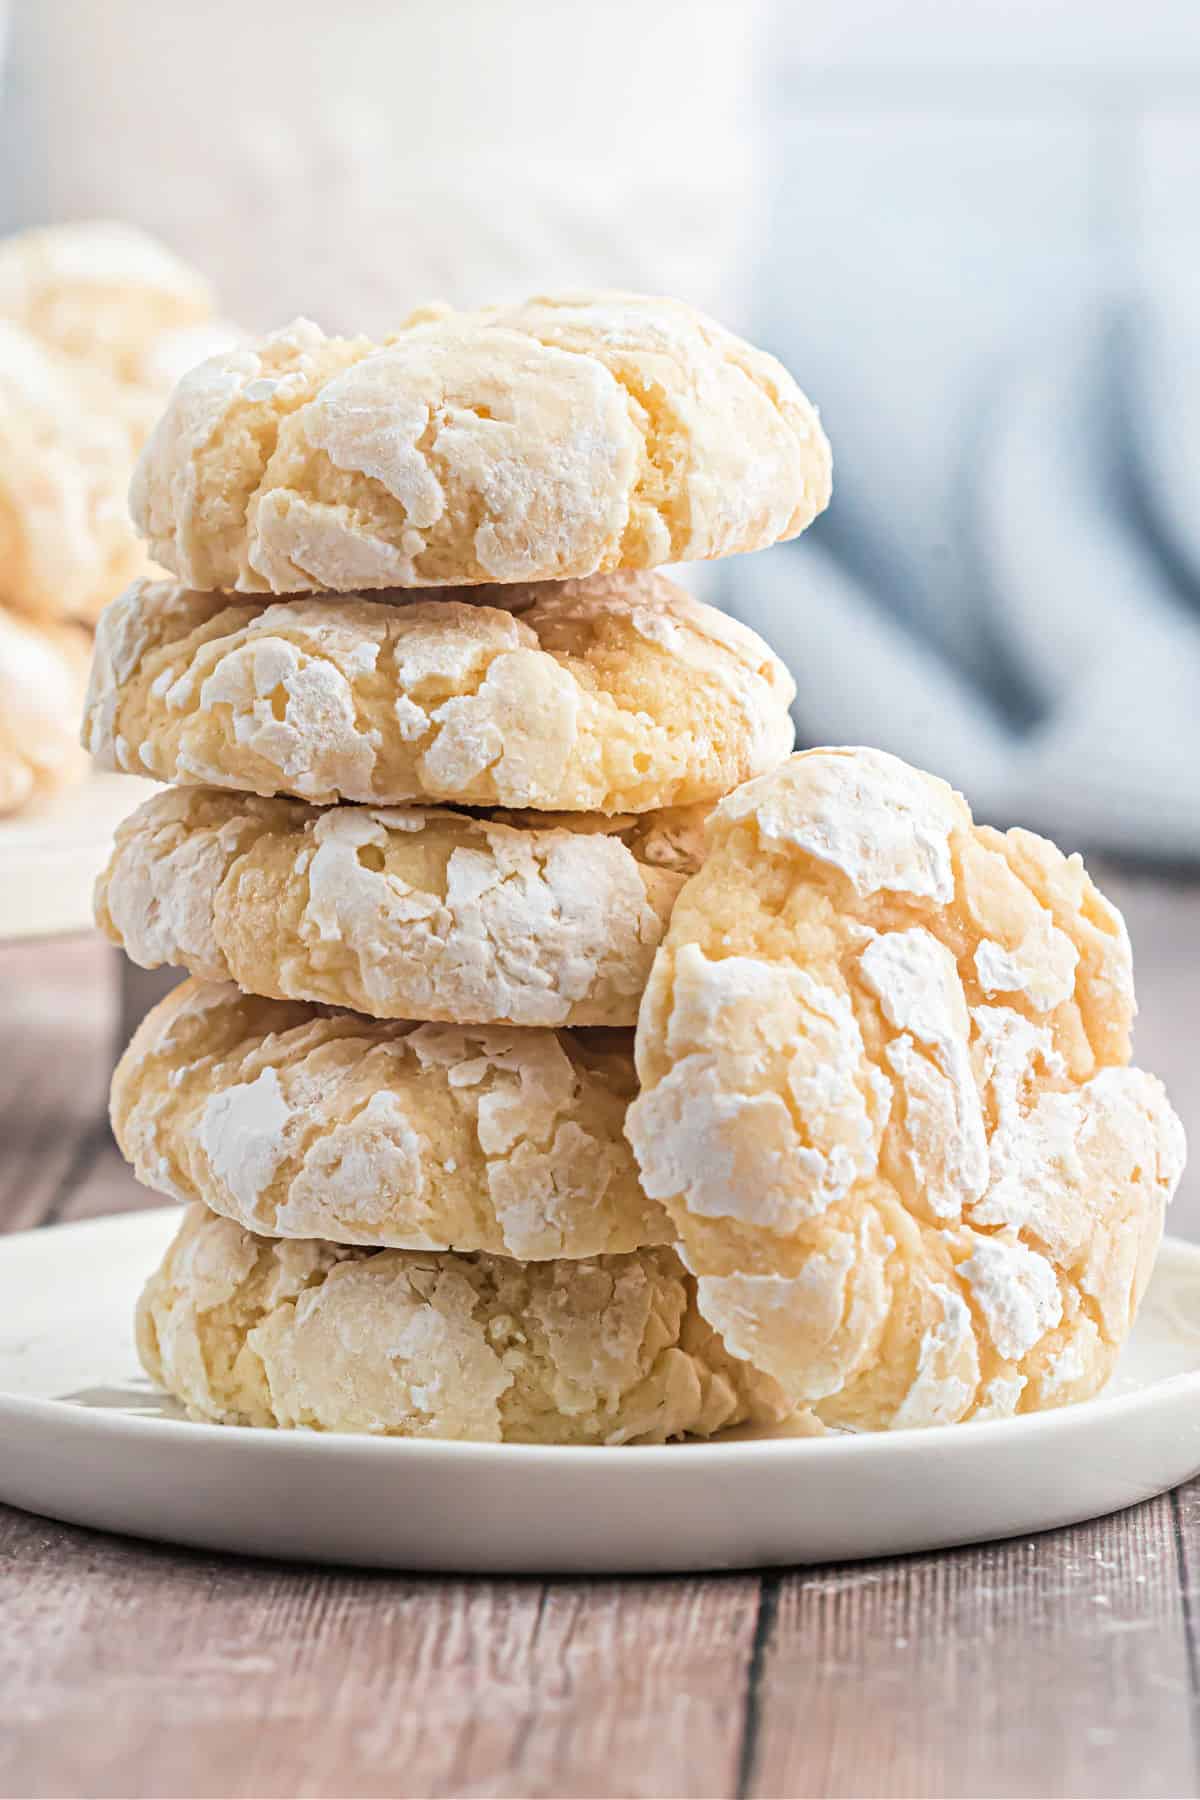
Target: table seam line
(1189, 1625)
(764, 1623)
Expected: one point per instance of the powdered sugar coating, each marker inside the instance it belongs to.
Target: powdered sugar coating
(558, 697)
(304, 1122)
(886, 1100)
(564, 437)
(521, 919)
(247, 1330)
(881, 824)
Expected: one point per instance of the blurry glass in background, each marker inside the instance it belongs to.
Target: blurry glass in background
(351, 164)
(970, 231)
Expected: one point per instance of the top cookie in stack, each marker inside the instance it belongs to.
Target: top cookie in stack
(418, 575)
(566, 437)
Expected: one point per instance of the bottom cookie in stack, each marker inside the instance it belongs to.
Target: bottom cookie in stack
(361, 1151)
(250, 1330)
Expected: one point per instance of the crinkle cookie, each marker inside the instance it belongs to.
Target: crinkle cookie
(43, 672)
(247, 1330)
(885, 1100)
(619, 694)
(104, 293)
(518, 918)
(303, 1122)
(563, 437)
(66, 546)
(97, 322)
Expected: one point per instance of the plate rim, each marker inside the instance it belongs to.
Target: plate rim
(238, 1440)
(66, 840)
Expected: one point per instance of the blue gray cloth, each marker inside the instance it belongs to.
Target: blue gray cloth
(1019, 611)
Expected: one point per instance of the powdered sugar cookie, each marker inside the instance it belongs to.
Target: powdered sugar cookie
(247, 1330)
(303, 1122)
(563, 437)
(43, 672)
(885, 1099)
(66, 546)
(522, 919)
(619, 694)
(97, 321)
(104, 293)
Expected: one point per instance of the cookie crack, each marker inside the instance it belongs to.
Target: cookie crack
(267, 437)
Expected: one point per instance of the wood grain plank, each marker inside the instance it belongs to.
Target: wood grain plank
(59, 1021)
(131, 1670)
(1053, 1666)
(1185, 1516)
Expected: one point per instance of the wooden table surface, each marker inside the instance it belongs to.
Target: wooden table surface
(1067, 1664)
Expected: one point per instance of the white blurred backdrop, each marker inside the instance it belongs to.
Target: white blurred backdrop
(354, 163)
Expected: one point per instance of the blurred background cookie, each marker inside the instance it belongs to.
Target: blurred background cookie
(66, 454)
(106, 294)
(97, 322)
(43, 674)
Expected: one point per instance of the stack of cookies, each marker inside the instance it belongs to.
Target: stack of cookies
(877, 1156)
(96, 321)
(439, 750)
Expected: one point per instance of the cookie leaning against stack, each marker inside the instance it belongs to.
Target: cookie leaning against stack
(886, 1098)
(421, 1216)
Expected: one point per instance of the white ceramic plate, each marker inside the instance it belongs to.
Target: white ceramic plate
(83, 1437)
(49, 859)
